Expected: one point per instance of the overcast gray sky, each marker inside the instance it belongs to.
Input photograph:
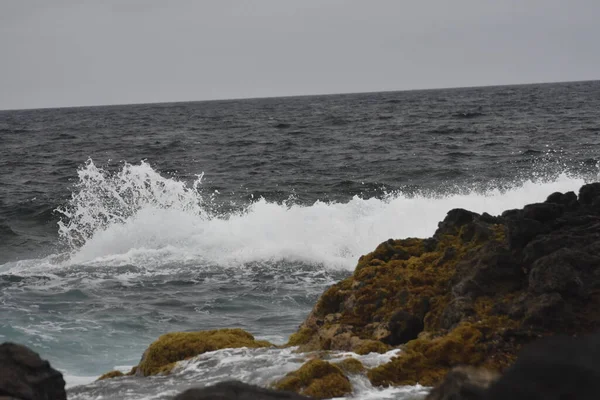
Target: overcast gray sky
(84, 52)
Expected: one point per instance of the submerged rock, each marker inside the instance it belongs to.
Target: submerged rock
(234, 390)
(317, 379)
(110, 375)
(25, 376)
(170, 348)
(473, 294)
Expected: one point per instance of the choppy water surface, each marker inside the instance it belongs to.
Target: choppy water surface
(120, 223)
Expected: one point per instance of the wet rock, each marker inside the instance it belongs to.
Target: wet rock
(234, 390)
(162, 354)
(110, 375)
(589, 193)
(25, 376)
(318, 379)
(455, 219)
(464, 383)
(569, 199)
(552, 369)
(542, 212)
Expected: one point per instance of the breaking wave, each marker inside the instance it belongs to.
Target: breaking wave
(118, 217)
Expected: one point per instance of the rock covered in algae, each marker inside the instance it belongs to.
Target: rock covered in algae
(110, 375)
(473, 294)
(318, 379)
(162, 354)
(351, 366)
(396, 292)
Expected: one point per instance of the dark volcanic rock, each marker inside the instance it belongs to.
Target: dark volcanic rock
(25, 376)
(588, 194)
(403, 327)
(235, 390)
(454, 220)
(463, 383)
(569, 199)
(553, 369)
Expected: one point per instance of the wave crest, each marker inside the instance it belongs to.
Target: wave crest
(137, 216)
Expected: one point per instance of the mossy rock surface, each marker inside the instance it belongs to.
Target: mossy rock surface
(318, 379)
(162, 354)
(395, 293)
(110, 375)
(371, 346)
(426, 361)
(301, 337)
(351, 366)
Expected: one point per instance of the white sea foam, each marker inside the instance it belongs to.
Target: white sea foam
(136, 216)
(117, 218)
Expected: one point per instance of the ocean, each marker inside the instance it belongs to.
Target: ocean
(121, 223)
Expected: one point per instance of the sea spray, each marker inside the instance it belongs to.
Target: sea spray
(117, 218)
(102, 199)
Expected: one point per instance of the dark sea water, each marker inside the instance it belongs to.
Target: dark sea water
(120, 223)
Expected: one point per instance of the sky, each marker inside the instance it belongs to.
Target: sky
(56, 53)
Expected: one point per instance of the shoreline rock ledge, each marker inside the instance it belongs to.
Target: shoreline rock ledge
(473, 294)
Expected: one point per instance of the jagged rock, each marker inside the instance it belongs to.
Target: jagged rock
(234, 390)
(569, 199)
(25, 376)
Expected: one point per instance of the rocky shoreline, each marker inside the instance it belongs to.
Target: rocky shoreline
(460, 305)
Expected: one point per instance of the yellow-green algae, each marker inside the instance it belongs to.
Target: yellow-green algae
(400, 275)
(110, 375)
(301, 337)
(426, 361)
(318, 379)
(162, 354)
(351, 366)
(371, 346)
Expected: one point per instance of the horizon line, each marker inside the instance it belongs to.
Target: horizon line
(296, 95)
